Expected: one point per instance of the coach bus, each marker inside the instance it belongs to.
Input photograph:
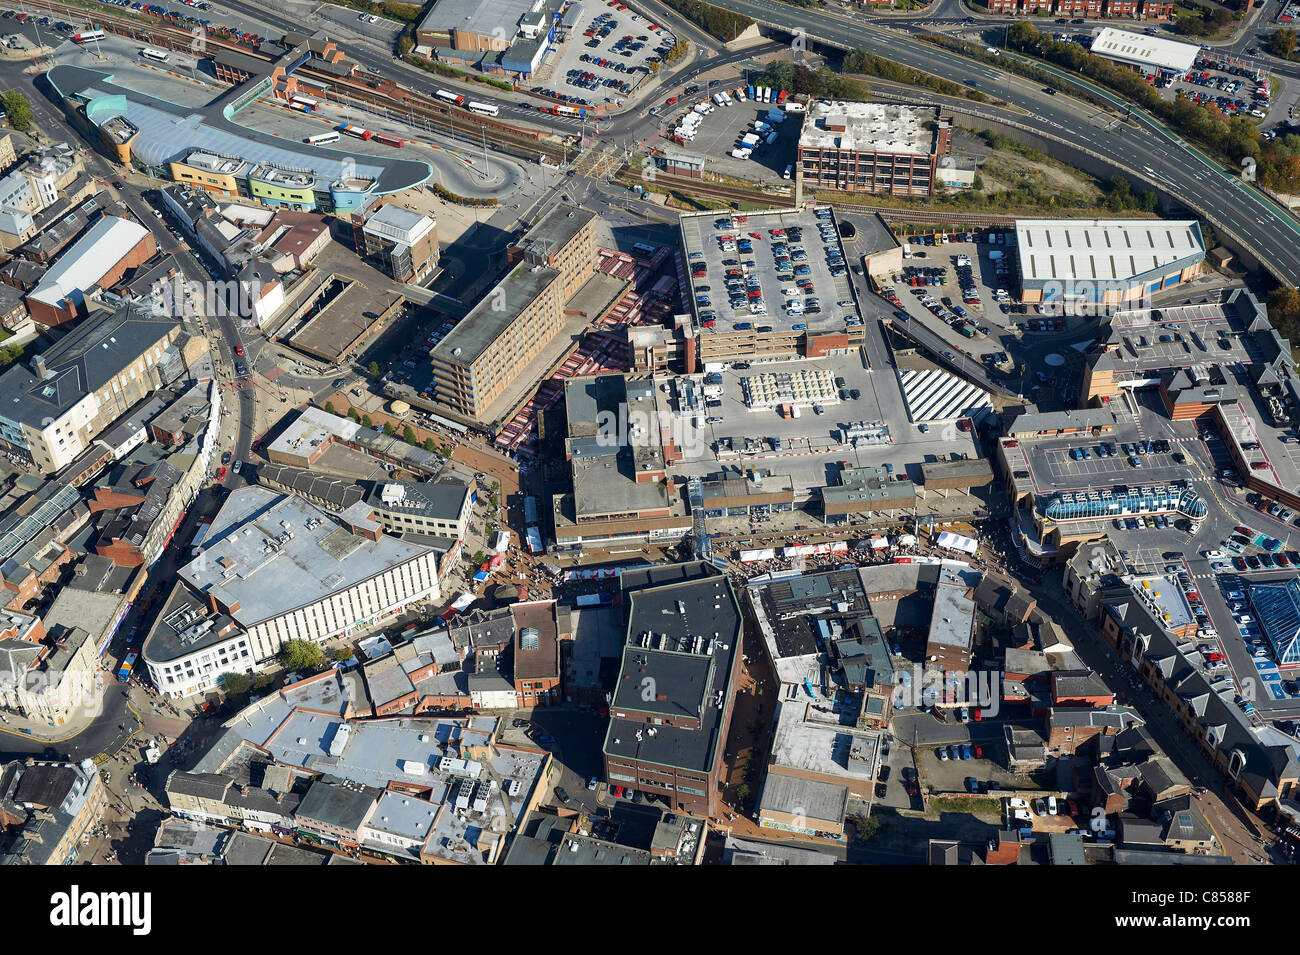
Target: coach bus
(450, 98)
(158, 56)
(323, 138)
(388, 140)
(89, 35)
(487, 109)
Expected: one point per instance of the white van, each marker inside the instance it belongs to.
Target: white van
(789, 171)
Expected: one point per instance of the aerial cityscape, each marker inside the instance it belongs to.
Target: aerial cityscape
(650, 432)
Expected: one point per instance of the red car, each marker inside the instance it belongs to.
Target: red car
(978, 751)
(1214, 657)
(756, 235)
(977, 715)
(221, 474)
(239, 349)
(776, 231)
(618, 792)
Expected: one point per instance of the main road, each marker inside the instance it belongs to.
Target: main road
(1140, 146)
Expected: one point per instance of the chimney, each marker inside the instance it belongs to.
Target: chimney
(39, 368)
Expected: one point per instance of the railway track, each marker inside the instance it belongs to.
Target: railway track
(716, 190)
(379, 97)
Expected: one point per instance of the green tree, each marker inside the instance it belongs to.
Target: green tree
(408, 435)
(478, 558)
(343, 654)
(373, 368)
(430, 445)
(262, 681)
(19, 110)
(301, 655)
(329, 407)
(389, 429)
(236, 684)
(352, 413)
(366, 422)
(1282, 42)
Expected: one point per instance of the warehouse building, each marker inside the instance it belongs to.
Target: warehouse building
(1105, 261)
(1151, 55)
(109, 249)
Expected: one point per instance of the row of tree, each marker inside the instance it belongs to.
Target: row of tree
(408, 433)
(723, 24)
(1276, 162)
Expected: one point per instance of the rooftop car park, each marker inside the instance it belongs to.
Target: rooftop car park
(767, 282)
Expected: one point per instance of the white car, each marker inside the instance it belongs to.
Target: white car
(1016, 803)
(1212, 554)
(1022, 815)
(1051, 805)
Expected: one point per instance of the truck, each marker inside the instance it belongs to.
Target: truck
(795, 411)
(967, 329)
(594, 600)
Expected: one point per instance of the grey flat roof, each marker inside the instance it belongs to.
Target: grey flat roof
(487, 320)
(687, 683)
(322, 557)
(484, 17)
(810, 798)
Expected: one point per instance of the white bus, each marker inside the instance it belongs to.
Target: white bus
(158, 56)
(306, 103)
(487, 109)
(88, 36)
(323, 138)
(455, 98)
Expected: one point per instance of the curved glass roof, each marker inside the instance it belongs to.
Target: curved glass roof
(1093, 505)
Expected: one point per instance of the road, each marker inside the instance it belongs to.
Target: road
(1142, 147)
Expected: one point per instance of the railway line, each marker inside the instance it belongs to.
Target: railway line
(379, 97)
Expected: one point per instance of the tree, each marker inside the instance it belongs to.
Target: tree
(19, 110)
(373, 368)
(329, 407)
(352, 413)
(430, 445)
(408, 435)
(478, 558)
(1283, 42)
(389, 429)
(301, 655)
(236, 684)
(343, 654)
(366, 422)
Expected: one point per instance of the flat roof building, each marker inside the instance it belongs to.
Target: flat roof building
(883, 148)
(481, 362)
(1105, 261)
(1150, 54)
(275, 568)
(683, 642)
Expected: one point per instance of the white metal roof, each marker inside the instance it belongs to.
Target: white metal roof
(1104, 250)
(1139, 48)
(89, 259)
